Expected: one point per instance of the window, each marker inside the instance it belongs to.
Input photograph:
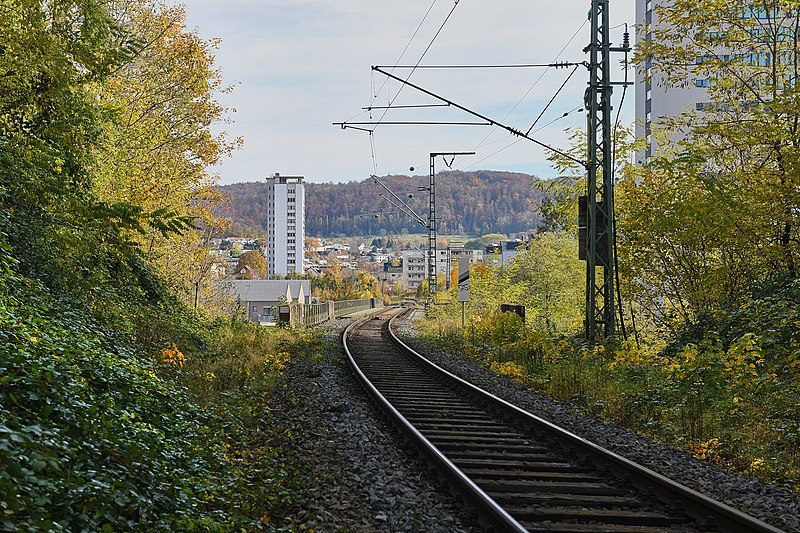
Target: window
(702, 83)
(255, 309)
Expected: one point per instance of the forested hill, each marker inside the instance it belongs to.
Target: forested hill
(475, 203)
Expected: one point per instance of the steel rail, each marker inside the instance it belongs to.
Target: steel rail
(695, 504)
(486, 506)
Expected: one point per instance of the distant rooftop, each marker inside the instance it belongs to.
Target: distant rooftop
(286, 179)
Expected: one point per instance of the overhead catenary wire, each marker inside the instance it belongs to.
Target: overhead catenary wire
(540, 128)
(403, 53)
(552, 99)
(563, 64)
(530, 89)
(371, 127)
(372, 149)
(509, 129)
(421, 57)
(374, 92)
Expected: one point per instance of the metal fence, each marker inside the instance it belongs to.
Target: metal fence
(345, 307)
(313, 314)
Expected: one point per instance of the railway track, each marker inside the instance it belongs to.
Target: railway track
(520, 472)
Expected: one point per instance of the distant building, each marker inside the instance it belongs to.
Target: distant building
(415, 268)
(392, 273)
(503, 253)
(456, 251)
(260, 299)
(379, 257)
(285, 225)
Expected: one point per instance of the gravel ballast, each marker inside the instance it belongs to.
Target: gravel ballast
(777, 506)
(367, 478)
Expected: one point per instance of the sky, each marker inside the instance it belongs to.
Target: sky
(299, 66)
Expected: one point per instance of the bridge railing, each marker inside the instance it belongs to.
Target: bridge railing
(344, 307)
(313, 314)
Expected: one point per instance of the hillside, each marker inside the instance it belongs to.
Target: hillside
(467, 203)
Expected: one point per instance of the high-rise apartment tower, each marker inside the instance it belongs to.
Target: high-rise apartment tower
(653, 101)
(286, 209)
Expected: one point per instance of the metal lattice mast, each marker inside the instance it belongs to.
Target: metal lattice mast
(432, 229)
(600, 312)
(432, 221)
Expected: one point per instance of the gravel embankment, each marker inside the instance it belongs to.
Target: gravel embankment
(777, 506)
(366, 478)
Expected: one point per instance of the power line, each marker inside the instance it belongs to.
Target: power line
(424, 53)
(563, 64)
(408, 44)
(540, 128)
(346, 125)
(374, 93)
(552, 99)
(535, 83)
(480, 116)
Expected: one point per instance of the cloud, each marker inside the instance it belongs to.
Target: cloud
(299, 65)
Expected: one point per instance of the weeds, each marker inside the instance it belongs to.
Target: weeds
(731, 404)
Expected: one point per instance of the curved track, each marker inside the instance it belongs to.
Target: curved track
(520, 472)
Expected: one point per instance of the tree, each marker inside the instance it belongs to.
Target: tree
(160, 106)
(252, 265)
(549, 280)
(49, 126)
(335, 284)
(311, 245)
(717, 212)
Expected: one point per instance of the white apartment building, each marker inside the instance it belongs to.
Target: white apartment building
(653, 100)
(415, 263)
(415, 268)
(285, 224)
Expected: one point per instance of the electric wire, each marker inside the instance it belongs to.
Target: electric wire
(417, 66)
(386, 80)
(540, 128)
(408, 44)
(499, 66)
(613, 201)
(372, 148)
(530, 89)
(578, 109)
(374, 92)
(613, 177)
(552, 99)
(424, 53)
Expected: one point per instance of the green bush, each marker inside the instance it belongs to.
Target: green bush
(97, 435)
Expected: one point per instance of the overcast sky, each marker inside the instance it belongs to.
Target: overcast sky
(300, 65)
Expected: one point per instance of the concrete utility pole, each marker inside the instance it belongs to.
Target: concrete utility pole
(597, 209)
